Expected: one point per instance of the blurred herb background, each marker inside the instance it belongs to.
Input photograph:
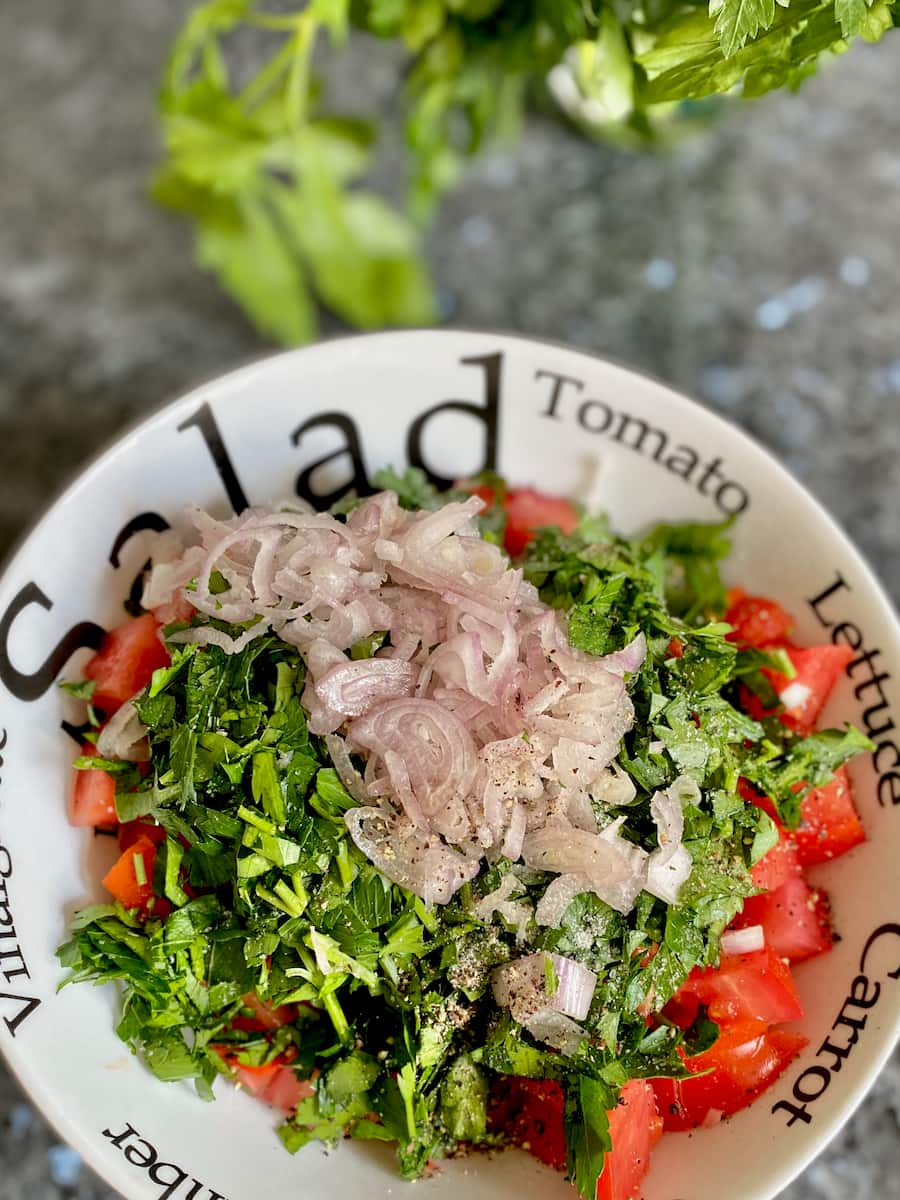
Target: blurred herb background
(274, 178)
(754, 264)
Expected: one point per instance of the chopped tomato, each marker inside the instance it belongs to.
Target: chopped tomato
(817, 670)
(132, 831)
(757, 621)
(130, 880)
(275, 1083)
(829, 823)
(527, 511)
(744, 987)
(266, 1017)
(676, 648)
(529, 1112)
(93, 800)
(778, 866)
(795, 919)
(125, 662)
(634, 1128)
(746, 1059)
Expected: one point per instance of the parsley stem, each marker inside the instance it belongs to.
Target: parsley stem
(271, 898)
(332, 1006)
(291, 902)
(258, 822)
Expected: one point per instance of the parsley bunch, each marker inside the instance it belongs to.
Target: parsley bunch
(274, 182)
(395, 1021)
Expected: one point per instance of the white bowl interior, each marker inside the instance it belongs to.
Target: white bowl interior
(566, 423)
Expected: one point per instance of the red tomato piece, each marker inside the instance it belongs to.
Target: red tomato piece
(829, 823)
(757, 621)
(530, 1113)
(125, 662)
(130, 880)
(266, 1017)
(528, 510)
(286, 1091)
(743, 987)
(746, 1059)
(634, 1128)
(93, 798)
(818, 669)
(778, 866)
(795, 919)
(132, 831)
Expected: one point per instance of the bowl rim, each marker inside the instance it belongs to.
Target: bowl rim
(40, 1094)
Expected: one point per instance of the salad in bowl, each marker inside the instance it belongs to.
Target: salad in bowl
(439, 812)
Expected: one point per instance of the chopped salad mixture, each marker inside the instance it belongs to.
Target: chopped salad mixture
(458, 821)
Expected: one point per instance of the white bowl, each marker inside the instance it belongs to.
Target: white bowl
(541, 414)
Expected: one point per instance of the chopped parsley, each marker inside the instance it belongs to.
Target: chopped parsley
(268, 895)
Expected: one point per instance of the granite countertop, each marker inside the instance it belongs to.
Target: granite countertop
(756, 267)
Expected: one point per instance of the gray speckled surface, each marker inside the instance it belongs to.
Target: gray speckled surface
(756, 267)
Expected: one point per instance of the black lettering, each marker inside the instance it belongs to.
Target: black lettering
(558, 382)
(869, 713)
(5, 864)
(139, 1158)
(138, 524)
(815, 1072)
(10, 933)
(359, 480)
(814, 603)
(590, 406)
(215, 1195)
(867, 656)
(854, 1024)
(683, 462)
(797, 1114)
(492, 365)
(876, 755)
(839, 1053)
(28, 1005)
(889, 784)
(195, 1190)
(118, 1138)
(848, 633)
(6, 917)
(21, 972)
(31, 687)
(171, 1185)
(711, 472)
(204, 420)
(743, 500)
(890, 930)
(643, 431)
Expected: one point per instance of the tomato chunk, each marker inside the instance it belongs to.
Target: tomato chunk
(274, 1083)
(795, 918)
(817, 670)
(530, 1113)
(744, 987)
(266, 1017)
(132, 831)
(125, 662)
(778, 866)
(634, 1128)
(93, 798)
(746, 1059)
(130, 880)
(757, 621)
(527, 511)
(829, 823)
